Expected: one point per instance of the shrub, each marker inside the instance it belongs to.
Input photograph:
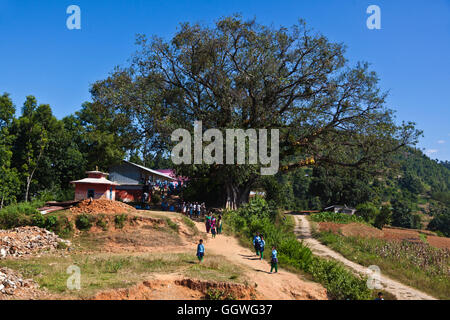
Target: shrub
(336, 217)
(172, 225)
(84, 222)
(155, 199)
(101, 222)
(63, 227)
(257, 216)
(217, 294)
(120, 220)
(441, 223)
(18, 215)
(383, 218)
(368, 211)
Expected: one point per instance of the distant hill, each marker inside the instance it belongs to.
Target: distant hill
(411, 183)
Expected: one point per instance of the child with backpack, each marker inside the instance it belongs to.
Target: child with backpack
(262, 244)
(200, 251)
(274, 260)
(256, 241)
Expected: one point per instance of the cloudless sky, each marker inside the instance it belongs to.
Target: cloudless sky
(411, 52)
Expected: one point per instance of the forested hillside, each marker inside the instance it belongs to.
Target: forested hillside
(41, 155)
(412, 183)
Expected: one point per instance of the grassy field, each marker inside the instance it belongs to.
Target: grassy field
(123, 268)
(112, 271)
(415, 264)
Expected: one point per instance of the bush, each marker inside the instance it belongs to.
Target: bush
(257, 216)
(101, 222)
(368, 211)
(119, 220)
(84, 222)
(19, 215)
(441, 223)
(217, 294)
(63, 227)
(155, 199)
(336, 217)
(172, 225)
(383, 218)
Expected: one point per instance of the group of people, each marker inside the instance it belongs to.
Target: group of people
(169, 187)
(194, 209)
(212, 224)
(259, 244)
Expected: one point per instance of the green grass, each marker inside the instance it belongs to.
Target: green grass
(335, 217)
(113, 271)
(341, 284)
(415, 264)
(172, 225)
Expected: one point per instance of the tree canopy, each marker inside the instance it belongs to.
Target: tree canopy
(241, 74)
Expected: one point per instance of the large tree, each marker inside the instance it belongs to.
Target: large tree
(8, 176)
(240, 74)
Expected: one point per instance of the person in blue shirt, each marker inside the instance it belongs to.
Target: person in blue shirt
(274, 260)
(380, 296)
(256, 243)
(200, 251)
(262, 244)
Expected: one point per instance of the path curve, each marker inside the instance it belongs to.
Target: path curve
(399, 290)
(283, 285)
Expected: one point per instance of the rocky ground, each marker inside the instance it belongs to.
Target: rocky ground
(24, 241)
(13, 286)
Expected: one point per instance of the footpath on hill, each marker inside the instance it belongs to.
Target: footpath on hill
(283, 285)
(399, 290)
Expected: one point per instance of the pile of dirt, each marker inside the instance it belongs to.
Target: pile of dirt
(28, 240)
(102, 206)
(13, 286)
(181, 289)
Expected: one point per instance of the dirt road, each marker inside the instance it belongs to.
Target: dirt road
(401, 291)
(280, 286)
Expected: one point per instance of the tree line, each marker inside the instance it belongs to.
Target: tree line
(336, 132)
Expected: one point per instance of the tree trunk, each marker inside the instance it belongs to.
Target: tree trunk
(27, 189)
(236, 196)
(1, 203)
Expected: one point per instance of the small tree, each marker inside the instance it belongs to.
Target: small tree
(383, 218)
(367, 211)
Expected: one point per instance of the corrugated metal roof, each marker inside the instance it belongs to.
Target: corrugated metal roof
(150, 170)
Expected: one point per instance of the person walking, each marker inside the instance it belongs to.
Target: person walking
(213, 222)
(262, 244)
(274, 260)
(213, 231)
(208, 223)
(380, 296)
(200, 251)
(219, 224)
(256, 240)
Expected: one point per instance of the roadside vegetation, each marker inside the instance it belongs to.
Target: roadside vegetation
(415, 264)
(257, 216)
(336, 217)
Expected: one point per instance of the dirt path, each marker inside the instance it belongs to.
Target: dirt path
(280, 286)
(401, 291)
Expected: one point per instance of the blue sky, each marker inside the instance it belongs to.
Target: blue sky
(411, 52)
